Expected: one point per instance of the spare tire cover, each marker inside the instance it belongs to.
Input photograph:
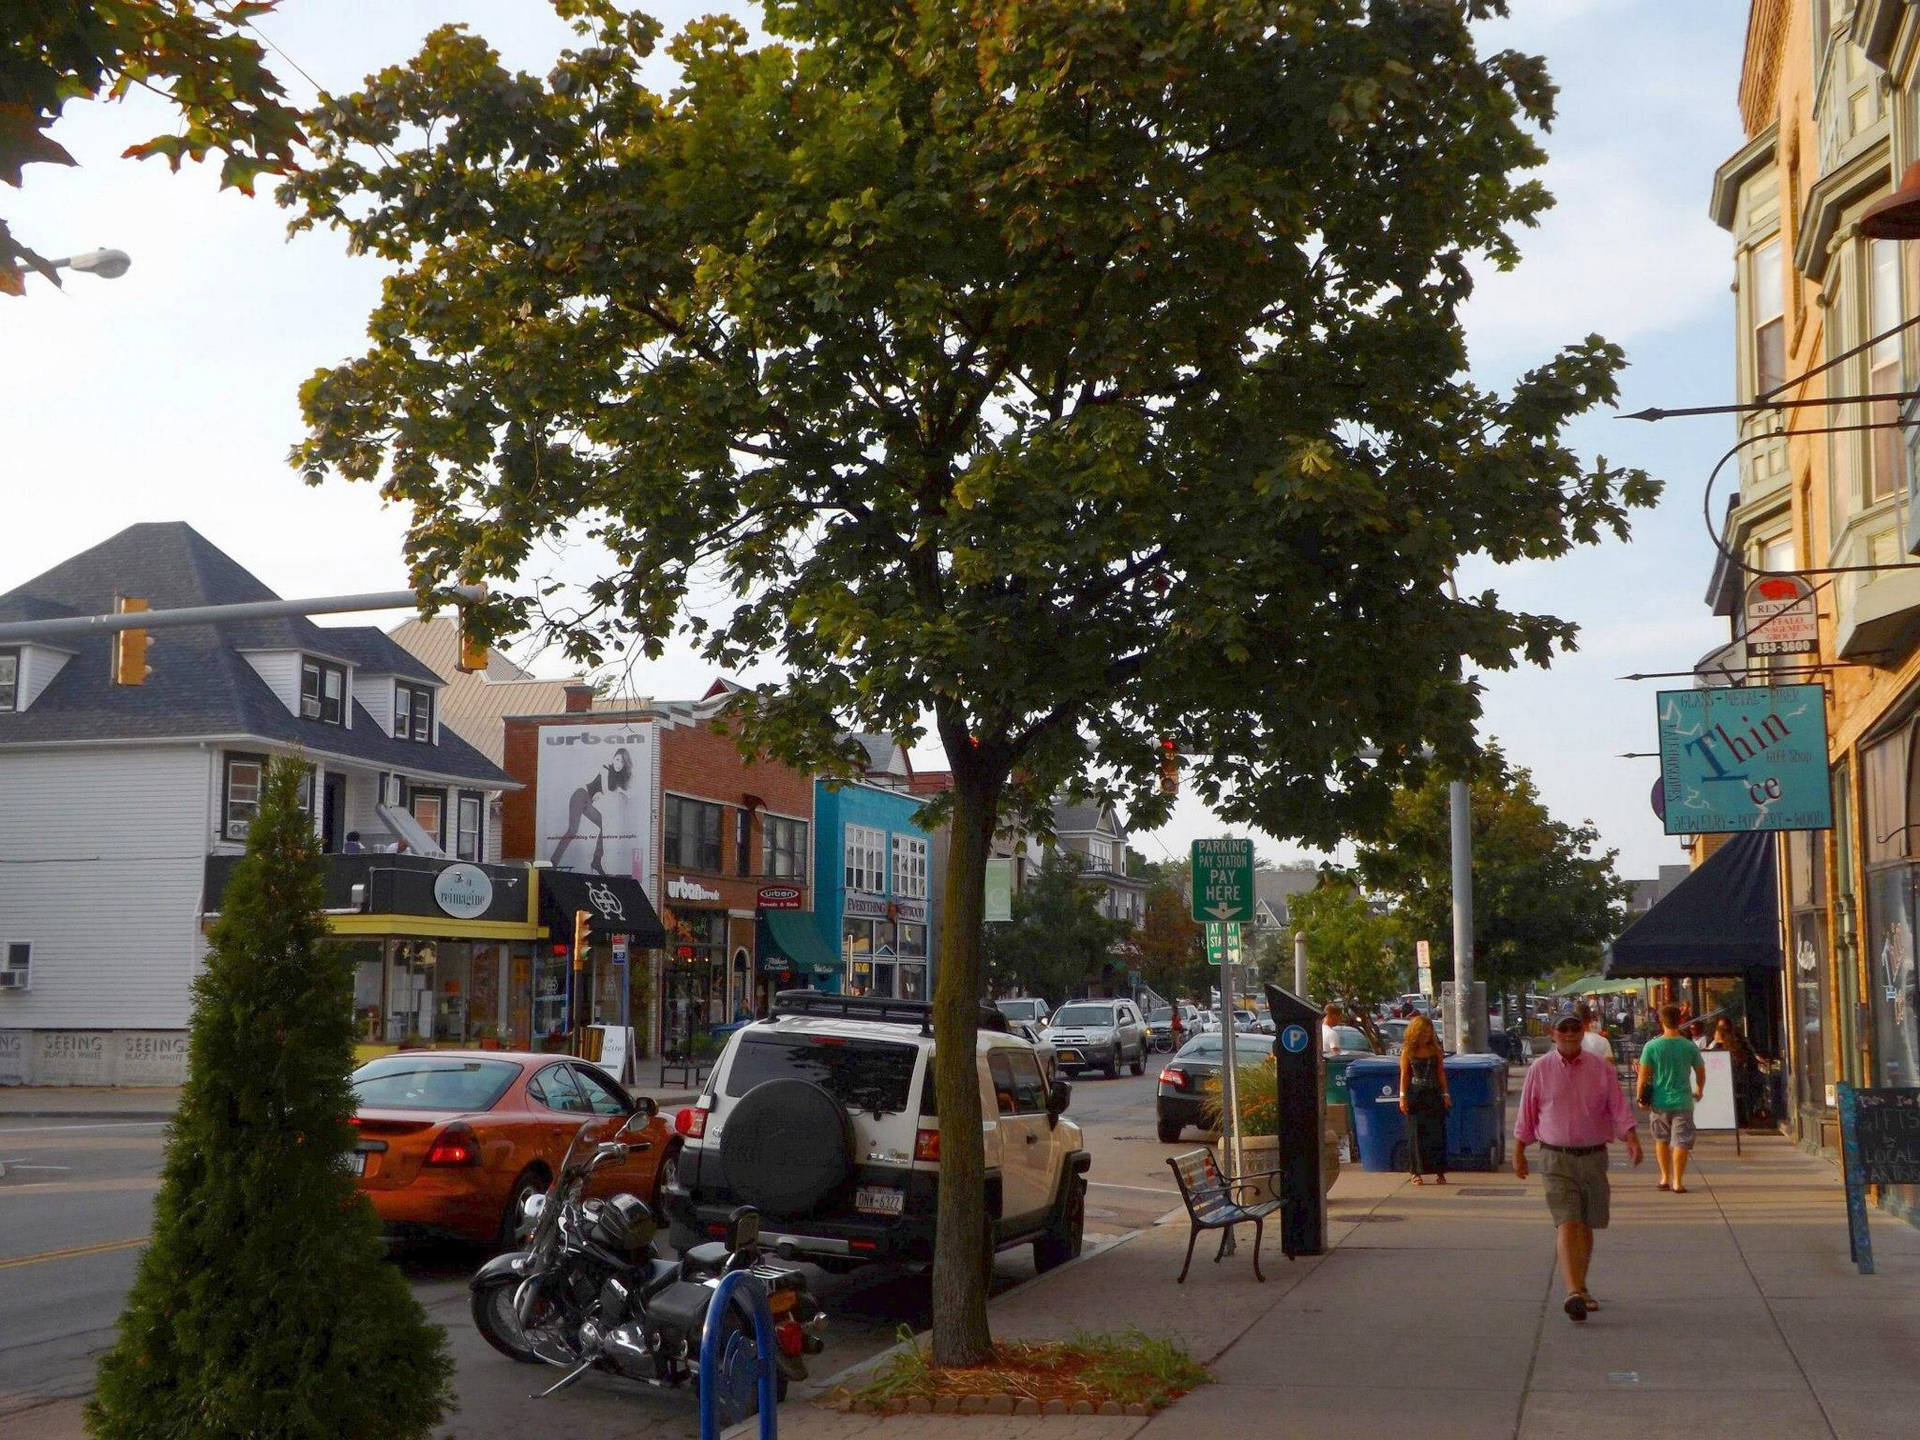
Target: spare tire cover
(787, 1146)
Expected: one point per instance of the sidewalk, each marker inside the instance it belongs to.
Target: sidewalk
(49, 1102)
(1729, 1311)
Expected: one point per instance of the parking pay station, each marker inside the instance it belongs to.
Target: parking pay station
(1296, 1060)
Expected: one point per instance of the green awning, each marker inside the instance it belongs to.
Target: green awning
(1599, 985)
(795, 937)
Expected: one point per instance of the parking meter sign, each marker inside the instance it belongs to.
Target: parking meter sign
(1223, 881)
(1223, 944)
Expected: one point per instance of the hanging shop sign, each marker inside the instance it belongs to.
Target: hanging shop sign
(1722, 667)
(1781, 619)
(1744, 759)
(866, 907)
(463, 891)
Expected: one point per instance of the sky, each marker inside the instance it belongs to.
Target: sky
(171, 393)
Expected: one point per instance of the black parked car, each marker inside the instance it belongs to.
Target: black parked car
(1182, 1093)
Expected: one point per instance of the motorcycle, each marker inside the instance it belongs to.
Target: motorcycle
(590, 1292)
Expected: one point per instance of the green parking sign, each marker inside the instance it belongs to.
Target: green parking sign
(1223, 943)
(1223, 881)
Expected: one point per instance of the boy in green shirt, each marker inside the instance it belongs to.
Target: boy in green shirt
(1673, 1073)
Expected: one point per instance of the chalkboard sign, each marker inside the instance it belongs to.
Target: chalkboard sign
(1879, 1145)
(1887, 1124)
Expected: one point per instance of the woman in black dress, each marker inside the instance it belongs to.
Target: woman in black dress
(1424, 1101)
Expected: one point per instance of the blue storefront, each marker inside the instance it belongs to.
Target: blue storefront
(873, 890)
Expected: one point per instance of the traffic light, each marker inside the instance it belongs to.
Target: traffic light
(1169, 767)
(473, 651)
(129, 646)
(580, 940)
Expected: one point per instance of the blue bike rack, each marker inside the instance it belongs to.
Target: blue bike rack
(765, 1356)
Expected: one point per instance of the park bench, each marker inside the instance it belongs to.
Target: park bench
(1215, 1204)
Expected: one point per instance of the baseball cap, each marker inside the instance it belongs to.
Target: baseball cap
(1568, 1016)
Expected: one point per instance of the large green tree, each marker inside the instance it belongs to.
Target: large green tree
(1058, 941)
(1061, 374)
(265, 1307)
(195, 53)
(1356, 950)
(1544, 894)
(1167, 949)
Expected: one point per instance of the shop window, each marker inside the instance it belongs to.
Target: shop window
(866, 859)
(1807, 935)
(1769, 318)
(240, 801)
(909, 867)
(690, 834)
(467, 835)
(413, 712)
(783, 847)
(9, 680)
(323, 692)
(913, 940)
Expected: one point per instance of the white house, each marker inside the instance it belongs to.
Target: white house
(122, 808)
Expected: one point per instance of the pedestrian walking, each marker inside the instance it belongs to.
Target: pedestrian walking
(1424, 1100)
(1573, 1107)
(1592, 1039)
(1673, 1073)
(1329, 1037)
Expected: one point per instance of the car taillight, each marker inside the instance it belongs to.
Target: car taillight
(926, 1145)
(455, 1147)
(690, 1122)
(1175, 1078)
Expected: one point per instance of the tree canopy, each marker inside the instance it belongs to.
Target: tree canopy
(1067, 376)
(1543, 896)
(191, 51)
(1356, 951)
(1167, 949)
(1058, 941)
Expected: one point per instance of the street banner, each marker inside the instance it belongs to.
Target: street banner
(1745, 759)
(999, 890)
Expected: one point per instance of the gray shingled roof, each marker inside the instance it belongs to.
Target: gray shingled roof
(375, 652)
(201, 687)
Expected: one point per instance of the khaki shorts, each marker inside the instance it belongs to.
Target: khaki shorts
(1673, 1127)
(1577, 1189)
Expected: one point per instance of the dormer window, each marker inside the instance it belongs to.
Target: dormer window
(412, 712)
(9, 680)
(323, 692)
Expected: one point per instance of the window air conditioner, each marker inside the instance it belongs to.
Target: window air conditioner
(13, 980)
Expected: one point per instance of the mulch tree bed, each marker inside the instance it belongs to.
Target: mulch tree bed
(1127, 1374)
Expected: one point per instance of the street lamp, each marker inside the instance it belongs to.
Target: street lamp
(107, 264)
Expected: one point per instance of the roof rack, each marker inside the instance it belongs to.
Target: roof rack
(871, 1007)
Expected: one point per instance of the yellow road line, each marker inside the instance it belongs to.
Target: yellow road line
(103, 1248)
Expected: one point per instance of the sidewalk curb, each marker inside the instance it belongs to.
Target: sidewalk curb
(109, 1115)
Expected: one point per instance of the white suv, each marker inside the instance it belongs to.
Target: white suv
(1099, 1035)
(822, 1117)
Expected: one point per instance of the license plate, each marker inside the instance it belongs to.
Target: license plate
(357, 1163)
(1069, 1054)
(879, 1200)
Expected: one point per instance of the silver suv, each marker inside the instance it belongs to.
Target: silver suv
(1099, 1035)
(822, 1117)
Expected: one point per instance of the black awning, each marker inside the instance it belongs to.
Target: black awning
(616, 902)
(1723, 919)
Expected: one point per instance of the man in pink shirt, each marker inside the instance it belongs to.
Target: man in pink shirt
(1573, 1106)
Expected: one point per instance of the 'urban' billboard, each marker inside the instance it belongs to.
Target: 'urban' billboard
(1747, 758)
(595, 807)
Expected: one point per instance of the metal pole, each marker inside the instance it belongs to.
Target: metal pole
(1300, 963)
(67, 625)
(1467, 1026)
(1229, 1068)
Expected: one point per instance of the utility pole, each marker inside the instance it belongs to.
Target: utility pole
(1468, 1023)
(1300, 963)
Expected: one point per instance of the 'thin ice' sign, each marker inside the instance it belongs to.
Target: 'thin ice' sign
(1752, 758)
(1223, 881)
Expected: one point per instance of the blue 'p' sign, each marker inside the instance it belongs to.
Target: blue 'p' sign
(1294, 1038)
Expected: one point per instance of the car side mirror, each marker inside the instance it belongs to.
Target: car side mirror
(1059, 1096)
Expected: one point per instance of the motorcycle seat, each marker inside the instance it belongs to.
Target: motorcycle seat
(710, 1256)
(660, 1274)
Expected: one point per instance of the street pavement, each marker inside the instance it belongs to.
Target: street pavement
(78, 1174)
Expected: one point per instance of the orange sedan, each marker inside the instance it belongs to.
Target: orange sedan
(451, 1141)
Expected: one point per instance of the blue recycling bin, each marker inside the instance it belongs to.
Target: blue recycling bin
(1477, 1121)
(1380, 1130)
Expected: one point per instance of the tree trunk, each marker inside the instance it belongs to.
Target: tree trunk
(960, 1257)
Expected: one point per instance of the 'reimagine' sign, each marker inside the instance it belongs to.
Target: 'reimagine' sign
(1740, 759)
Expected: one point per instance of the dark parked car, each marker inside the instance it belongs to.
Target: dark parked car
(1181, 1095)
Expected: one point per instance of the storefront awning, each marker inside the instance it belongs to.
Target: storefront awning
(1597, 985)
(616, 902)
(795, 937)
(1723, 919)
